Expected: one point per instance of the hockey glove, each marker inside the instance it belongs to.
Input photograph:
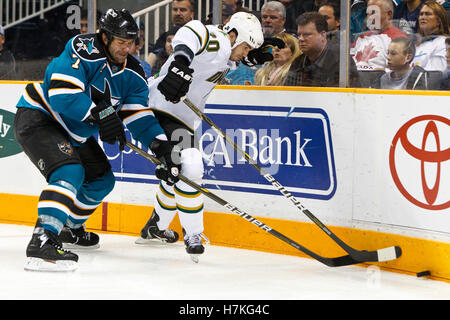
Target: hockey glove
(176, 83)
(110, 126)
(262, 54)
(169, 154)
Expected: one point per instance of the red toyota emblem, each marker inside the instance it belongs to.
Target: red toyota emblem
(432, 162)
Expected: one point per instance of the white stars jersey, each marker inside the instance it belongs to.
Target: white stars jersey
(212, 50)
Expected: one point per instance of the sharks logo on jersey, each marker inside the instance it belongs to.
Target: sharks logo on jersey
(87, 44)
(98, 95)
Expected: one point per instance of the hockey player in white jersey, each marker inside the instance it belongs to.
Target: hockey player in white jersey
(202, 57)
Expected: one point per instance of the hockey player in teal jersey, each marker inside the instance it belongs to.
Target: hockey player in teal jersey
(93, 87)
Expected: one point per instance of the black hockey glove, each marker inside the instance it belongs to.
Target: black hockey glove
(262, 55)
(169, 154)
(176, 83)
(110, 126)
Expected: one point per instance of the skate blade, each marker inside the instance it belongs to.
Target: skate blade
(37, 264)
(194, 257)
(77, 247)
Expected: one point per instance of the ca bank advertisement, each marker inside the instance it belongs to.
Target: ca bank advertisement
(292, 144)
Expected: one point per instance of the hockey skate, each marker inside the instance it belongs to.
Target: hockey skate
(78, 238)
(45, 253)
(151, 232)
(194, 246)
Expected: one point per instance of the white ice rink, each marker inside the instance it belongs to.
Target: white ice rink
(123, 270)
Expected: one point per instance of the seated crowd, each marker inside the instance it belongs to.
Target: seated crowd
(401, 44)
(393, 45)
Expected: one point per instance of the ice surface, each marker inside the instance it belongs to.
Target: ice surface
(121, 269)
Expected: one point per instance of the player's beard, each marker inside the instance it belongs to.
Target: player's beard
(113, 57)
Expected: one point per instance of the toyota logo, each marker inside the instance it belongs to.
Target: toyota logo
(419, 160)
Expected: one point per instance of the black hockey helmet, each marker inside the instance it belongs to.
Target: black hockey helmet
(118, 24)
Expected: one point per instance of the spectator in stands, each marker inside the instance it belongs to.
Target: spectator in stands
(318, 65)
(273, 17)
(406, 14)
(230, 3)
(400, 74)
(241, 75)
(446, 80)
(227, 12)
(274, 73)
(229, 7)
(433, 30)
(332, 13)
(369, 50)
(84, 22)
(357, 18)
(447, 48)
(182, 12)
(83, 26)
(157, 58)
(134, 51)
(7, 61)
(240, 7)
(294, 8)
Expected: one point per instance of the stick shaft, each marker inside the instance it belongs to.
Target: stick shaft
(332, 262)
(358, 255)
(266, 175)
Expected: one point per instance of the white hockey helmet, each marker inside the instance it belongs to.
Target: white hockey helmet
(247, 27)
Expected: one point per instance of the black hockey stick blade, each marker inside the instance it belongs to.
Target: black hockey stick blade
(331, 262)
(380, 255)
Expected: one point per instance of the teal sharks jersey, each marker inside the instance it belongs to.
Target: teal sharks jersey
(80, 78)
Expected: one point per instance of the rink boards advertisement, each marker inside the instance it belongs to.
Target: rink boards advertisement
(293, 144)
(351, 156)
(405, 172)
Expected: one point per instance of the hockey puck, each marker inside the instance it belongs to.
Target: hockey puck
(423, 274)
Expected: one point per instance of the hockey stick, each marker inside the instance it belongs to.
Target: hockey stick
(385, 254)
(331, 262)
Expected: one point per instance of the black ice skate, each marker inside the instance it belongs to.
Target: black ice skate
(79, 238)
(151, 232)
(194, 246)
(45, 253)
